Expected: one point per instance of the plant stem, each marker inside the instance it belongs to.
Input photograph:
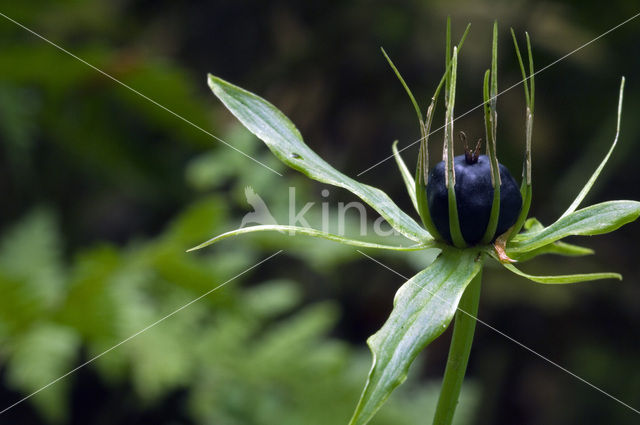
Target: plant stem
(463, 330)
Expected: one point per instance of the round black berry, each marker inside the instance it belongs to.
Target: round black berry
(474, 196)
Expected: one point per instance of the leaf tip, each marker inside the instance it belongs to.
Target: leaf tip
(213, 81)
(197, 247)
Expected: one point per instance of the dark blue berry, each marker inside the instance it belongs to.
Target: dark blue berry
(474, 196)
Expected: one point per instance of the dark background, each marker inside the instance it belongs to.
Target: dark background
(101, 192)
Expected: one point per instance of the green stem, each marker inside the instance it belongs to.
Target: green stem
(463, 329)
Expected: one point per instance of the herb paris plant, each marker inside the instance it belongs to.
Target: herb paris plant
(425, 305)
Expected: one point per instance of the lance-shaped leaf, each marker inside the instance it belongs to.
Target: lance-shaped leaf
(562, 279)
(283, 138)
(422, 309)
(533, 225)
(307, 231)
(557, 248)
(594, 220)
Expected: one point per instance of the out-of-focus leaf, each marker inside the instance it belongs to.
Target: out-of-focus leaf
(422, 309)
(283, 138)
(44, 353)
(272, 297)
(205, 215)
(88, 300)
(31, 252)
(18, 111)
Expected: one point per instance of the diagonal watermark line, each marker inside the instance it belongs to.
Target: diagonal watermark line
(508, 337)
(136, 334)
(507, 89)
(111, 77)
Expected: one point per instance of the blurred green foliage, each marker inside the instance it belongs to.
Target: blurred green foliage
(244, 356)
(93, 171)
(101, 192)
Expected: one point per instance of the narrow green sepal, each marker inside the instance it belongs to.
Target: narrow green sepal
(409, 182)
(448, 153)
(526, 192)
(492, 225)
(526, 188)
(422, 168)
(491, 125)
(425, 214)
(447, 59)
(407, 89)
(585, 190)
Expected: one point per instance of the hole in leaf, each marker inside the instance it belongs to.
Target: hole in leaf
(295, 155)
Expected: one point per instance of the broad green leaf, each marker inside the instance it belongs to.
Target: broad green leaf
(561, 279)
(296, 230)
(422, 309)
(558, 248)
(406, 175)
(594, 220)
(283, 138)
(533, 225)
(585, 190)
